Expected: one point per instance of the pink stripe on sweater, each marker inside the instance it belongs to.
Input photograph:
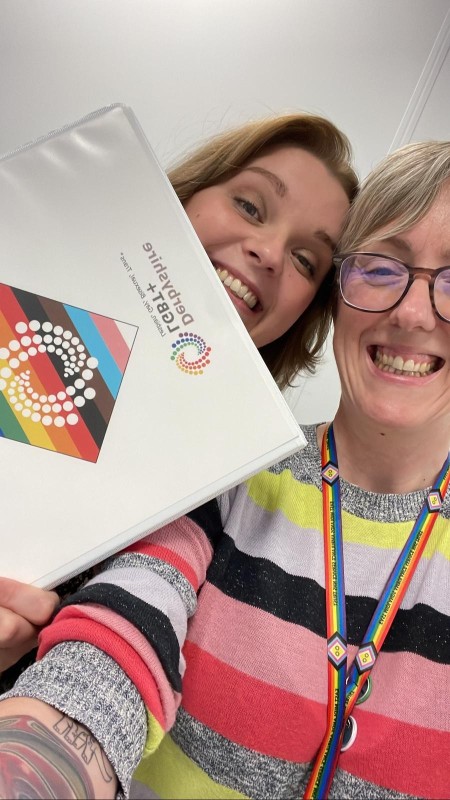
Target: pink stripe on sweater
(169, 557)
(408, 758)
(183, 544)
(170, 699)
(80, 629)
(270, 649)
(243, 636)
(274, 722)
(395, 690)
(234, 705)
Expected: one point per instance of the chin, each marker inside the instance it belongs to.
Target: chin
(258, 339)
(397, 420)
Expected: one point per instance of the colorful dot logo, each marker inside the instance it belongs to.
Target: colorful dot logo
(192, 343)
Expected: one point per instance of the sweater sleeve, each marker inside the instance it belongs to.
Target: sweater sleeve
(112, 657)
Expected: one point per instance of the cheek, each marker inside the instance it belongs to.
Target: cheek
(289, 311)
(197, 220)
(336, 345)
(347, 340)
(298, 298)
(196, 211)
(210, 226)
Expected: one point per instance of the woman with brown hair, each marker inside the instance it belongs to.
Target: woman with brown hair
(267, 202)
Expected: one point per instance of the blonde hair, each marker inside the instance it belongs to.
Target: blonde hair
(222, 157)
(400, 190)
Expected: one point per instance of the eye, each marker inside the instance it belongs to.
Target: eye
(382, 272)
(249, 208)
(304, 265)
(375, 271)
(379, 271)
(443, 282)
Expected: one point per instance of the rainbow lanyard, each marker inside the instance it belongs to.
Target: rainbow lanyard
(343, 690)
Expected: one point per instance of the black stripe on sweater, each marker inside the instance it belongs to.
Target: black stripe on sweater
(262, 584)
(207, 517)
(150, 621)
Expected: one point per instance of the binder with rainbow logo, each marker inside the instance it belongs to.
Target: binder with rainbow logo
(130, 391)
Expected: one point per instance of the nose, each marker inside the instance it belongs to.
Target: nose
(416, 310)
(266, 250)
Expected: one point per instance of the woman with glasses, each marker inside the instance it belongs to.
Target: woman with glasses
(316, 656)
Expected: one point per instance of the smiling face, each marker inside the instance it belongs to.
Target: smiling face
(269, 231)
(395, 365)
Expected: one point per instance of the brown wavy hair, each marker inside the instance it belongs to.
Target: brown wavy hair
(223, 156)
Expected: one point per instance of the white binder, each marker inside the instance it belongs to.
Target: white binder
(130, 391)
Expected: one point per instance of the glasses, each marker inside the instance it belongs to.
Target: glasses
(373, 282)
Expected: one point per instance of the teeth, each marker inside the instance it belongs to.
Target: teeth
(237, 287)
(397, 365)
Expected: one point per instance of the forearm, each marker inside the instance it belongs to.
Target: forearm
(84, 683)
(45, 754)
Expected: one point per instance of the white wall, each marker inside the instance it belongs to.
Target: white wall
(188, 68)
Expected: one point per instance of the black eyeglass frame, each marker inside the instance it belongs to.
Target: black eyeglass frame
(413, 272)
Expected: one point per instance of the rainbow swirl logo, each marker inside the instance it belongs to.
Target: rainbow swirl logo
(192, 343)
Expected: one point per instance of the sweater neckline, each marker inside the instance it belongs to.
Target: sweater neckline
(374, 506)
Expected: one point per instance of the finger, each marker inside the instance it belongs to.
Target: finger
(10, 656)
(17, 637)
(33, 604)
(15, 630)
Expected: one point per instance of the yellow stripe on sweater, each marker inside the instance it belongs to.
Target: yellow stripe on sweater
(282, 493)
(155, 734)
(170, 773)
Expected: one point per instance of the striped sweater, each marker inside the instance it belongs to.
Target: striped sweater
(198, 655)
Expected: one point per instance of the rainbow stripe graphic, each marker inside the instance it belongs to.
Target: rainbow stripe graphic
(61, 368)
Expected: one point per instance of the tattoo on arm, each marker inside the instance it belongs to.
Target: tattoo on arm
(82, 740)
(37, 762)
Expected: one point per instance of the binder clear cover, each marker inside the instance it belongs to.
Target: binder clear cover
(130, 391)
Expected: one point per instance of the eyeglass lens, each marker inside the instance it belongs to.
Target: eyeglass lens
(376, 283)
